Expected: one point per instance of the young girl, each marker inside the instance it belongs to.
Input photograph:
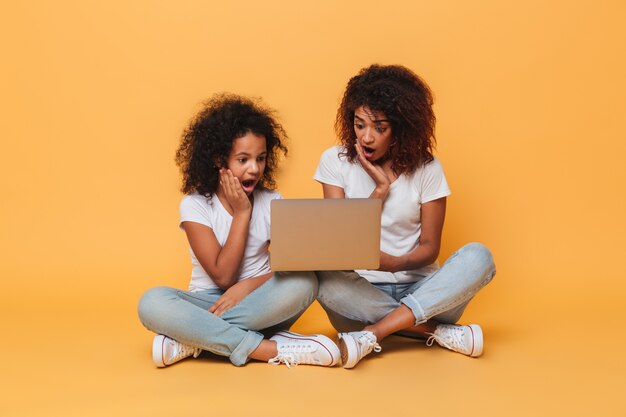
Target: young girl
(386, 126)
(228, 157)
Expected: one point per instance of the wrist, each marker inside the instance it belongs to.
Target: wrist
(242, 213)
(399, 263)
(380, 192)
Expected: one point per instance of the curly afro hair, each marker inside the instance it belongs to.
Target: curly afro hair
(405, 100)
(207, 141)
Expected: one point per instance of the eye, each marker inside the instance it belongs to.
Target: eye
(358, 125)
(261, 158)
(242, 160)
(381, 129)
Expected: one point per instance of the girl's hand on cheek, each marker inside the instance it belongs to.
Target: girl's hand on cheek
(233, 191)
(374, 171)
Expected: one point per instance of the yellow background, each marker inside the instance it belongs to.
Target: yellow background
(530, 106)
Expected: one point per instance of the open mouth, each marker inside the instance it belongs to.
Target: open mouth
(248, 185)
(367, 151)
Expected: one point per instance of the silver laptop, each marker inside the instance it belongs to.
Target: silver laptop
(325, 234)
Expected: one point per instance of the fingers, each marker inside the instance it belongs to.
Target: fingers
(221, 306)
(221, 310)
(234, 182)
(231, 185)
(375, 171)
(226, 181)
(365, 163)
(224, 185)
(359, 152)
(238, 189)
(216, 305)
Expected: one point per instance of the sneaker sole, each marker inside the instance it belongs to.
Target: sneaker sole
(477, 335)
(157, 351)
(326, 343)
(348, 349)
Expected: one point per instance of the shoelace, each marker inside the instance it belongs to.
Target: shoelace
(184, 351)
(292, 355)
(369, 345)
(453, 339)
(286, 358)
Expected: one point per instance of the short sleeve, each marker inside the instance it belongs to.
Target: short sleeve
(433, 183)
(329, 168)
(195, 208)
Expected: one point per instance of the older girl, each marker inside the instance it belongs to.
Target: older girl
(386, 126)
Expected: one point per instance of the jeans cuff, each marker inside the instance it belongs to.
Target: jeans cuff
(250, 342)
(418, 312)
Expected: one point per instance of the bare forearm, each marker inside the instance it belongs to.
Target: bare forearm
(236, 293)
(433, 215)
(229, 259)
(423, 255)
(255, 282)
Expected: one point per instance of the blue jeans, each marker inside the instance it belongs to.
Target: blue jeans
(184, 315)
(352, 302)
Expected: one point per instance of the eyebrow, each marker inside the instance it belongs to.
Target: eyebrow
(375, 121)
(244, 153)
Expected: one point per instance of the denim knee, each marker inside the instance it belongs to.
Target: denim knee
(151, 299)
(336, 283)
(478, 254)
(299, 285)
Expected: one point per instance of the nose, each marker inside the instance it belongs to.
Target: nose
(367, 137)
(253, 168)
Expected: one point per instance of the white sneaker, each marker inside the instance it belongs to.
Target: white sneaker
(166, 351)
(355, 345)
(467, 340)
(296, 349)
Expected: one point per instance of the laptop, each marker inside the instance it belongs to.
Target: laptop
(325, 234)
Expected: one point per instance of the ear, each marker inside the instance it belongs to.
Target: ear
(218, 164)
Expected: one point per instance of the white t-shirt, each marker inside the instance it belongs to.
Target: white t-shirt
(211, 213)
(401, 214)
